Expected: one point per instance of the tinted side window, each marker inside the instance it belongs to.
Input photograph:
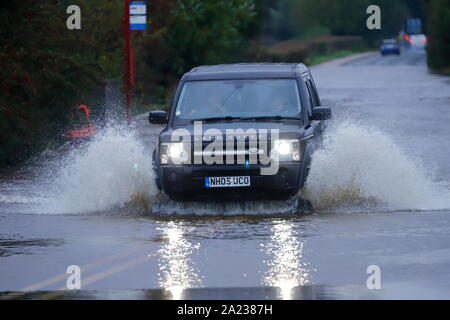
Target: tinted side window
(308, 95)
(312, 94)
(315, 92)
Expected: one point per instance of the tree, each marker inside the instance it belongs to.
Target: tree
(47, 69)
(188, 33)
(42, 78)
(439, 37)
(339, 17)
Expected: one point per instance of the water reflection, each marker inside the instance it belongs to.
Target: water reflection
(15, 244)
(177, 271)
(287, 266)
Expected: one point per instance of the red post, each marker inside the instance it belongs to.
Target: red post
(127, 76)
(132, 67)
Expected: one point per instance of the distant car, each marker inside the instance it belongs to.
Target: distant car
(390, 46)
(418, 41)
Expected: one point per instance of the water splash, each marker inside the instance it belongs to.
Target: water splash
(109, 173)
(165, 206)
(361, 167)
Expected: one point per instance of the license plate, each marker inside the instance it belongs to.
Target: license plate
(227, 182)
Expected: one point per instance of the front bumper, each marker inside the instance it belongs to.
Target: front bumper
(187, 182)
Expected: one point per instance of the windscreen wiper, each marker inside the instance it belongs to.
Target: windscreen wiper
(228, 118)
(269, 118)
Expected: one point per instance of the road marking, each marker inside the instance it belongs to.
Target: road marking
(63, 276)
(95, 277)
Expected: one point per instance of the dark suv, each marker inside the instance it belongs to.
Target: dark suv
(239, 131)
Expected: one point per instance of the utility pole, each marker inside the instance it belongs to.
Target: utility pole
(135, 18)
(127, 76)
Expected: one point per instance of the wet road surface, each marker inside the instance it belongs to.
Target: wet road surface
(380, 192)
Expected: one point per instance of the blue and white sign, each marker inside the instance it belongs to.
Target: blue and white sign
(138, 7)
(138, 15)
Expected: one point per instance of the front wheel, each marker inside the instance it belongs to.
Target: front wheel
(157, 179)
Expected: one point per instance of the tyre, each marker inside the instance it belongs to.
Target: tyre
(157, 178)
(156, 172)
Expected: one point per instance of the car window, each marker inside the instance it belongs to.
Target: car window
(316, 94)
(239, 98)
(308, 98)
(313, 97)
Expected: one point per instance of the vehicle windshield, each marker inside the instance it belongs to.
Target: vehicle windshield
(239, 98)
(390, 41)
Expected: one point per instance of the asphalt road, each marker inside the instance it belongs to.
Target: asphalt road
(380, 191)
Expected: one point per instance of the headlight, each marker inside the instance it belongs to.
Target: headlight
(173, 153)
(286, 150)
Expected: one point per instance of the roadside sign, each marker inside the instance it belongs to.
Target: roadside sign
(138, 7)
(137, 20)
(138, 15)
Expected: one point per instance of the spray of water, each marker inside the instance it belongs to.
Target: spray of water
(360, 167)
(109, 173)
(166, 206)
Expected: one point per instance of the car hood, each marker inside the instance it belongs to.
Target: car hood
(286, 130)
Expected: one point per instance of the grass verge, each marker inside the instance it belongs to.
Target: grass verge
(317, 59)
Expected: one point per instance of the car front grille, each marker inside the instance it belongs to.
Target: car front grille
(245, 153)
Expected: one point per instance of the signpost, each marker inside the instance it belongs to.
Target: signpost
(135, 18)
(138, 15)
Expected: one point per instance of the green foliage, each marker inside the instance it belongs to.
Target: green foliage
(41, 78)
(439, 37)
(187, 33)
(335, 55)
(99, 43)
(305, 18)
(205, 32)
(47, 69)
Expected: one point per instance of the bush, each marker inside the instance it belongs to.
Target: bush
(47, 69)
(439, 36)
(41, 79)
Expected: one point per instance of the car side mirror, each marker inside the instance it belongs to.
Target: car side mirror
(321, 113)
(157, 117)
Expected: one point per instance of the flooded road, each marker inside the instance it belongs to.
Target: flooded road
(380, 189)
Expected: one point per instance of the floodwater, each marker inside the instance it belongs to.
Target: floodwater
(380, 190)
